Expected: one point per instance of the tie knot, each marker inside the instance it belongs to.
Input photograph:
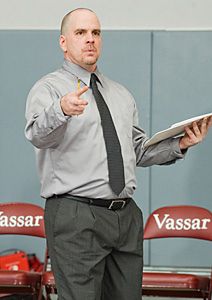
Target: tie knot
(93, 79)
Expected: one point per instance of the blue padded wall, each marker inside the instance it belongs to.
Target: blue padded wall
(169, 74)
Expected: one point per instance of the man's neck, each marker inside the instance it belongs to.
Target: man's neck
(89, 68)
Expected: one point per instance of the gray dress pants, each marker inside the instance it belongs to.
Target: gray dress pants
(96, 253)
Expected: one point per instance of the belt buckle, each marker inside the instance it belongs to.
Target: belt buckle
(117, 201)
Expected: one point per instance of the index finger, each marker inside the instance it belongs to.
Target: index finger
(81, 91)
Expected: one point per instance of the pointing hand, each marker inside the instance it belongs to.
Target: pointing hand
(72, 104)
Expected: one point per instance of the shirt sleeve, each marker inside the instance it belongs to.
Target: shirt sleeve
(163, 153)
(46, 123)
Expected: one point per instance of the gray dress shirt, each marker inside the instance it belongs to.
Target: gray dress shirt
(70, 151)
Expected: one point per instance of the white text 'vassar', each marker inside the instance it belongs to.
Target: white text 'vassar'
(19, 221)
(180, 224)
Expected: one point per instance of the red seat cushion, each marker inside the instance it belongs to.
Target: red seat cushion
(19, 278)
(175, 281)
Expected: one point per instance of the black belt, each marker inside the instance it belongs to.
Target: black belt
(112, 204)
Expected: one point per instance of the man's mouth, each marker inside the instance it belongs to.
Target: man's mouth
(90, 50)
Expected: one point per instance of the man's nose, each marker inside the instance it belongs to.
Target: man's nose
(90, 37)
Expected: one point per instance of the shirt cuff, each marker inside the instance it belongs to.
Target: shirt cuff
(175, 145)
(59, 113)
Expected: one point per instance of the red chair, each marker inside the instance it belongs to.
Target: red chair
(172, 222)
(21, 219)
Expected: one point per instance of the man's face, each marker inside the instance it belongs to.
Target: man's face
(81, 41)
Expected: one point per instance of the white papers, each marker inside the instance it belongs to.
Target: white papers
(176, 129)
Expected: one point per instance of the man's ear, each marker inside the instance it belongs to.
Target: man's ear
(63, 43)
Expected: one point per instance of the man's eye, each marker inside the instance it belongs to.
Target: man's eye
(96, 33)
(79, 32)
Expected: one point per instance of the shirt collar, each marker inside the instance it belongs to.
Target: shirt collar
(80, 73)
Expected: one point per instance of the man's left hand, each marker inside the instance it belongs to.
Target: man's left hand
(196, 133)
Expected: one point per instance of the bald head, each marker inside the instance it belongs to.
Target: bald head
(68, 18)
(80, 38)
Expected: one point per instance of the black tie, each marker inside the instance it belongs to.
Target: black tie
(113, 148)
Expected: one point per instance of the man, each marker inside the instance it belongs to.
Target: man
(86, 153)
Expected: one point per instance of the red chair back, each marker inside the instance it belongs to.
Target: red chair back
(179, 221)
(22, 219)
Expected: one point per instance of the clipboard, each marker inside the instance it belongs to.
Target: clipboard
(175, 130)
